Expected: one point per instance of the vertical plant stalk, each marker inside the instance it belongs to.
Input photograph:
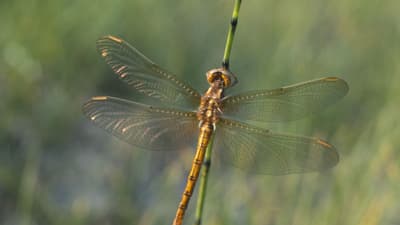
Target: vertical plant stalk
(207, 161)
(231, 34)
(203, 183)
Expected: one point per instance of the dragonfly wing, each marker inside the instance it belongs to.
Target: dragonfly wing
(286, 103)
(261, 151)
(145, 76)
(141, 125)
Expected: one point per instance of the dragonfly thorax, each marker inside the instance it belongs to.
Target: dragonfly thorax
(210, 104)
(221, 74)
(209, 112)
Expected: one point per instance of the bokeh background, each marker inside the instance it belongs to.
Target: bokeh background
(57, 168)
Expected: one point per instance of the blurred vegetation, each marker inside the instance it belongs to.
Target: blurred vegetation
(57, 168)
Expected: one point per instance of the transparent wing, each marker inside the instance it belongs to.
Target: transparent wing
(146, 77)
(141, 125)
(259, 151)
(286, 103)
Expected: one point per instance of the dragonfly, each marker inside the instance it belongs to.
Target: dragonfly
(171, 115)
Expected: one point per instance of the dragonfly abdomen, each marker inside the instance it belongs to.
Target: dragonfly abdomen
(205, 134)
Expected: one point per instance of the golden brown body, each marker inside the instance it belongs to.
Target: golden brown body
(205, 134)
(208, 113)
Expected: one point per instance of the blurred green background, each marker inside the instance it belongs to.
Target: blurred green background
(57, 168)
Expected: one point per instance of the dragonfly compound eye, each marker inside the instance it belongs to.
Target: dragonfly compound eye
(223, 75)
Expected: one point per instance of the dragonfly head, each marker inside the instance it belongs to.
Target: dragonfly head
(221, 74)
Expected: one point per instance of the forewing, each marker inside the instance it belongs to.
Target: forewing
(142, 125)
(286, 103)
(260, 151)
(145, 76)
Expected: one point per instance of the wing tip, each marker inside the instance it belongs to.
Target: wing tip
(332, 79)
(99, 98)
(103, 42)
(111, 38)
(344, 84)
(86, 107)
(332, 153)
(324, 143)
